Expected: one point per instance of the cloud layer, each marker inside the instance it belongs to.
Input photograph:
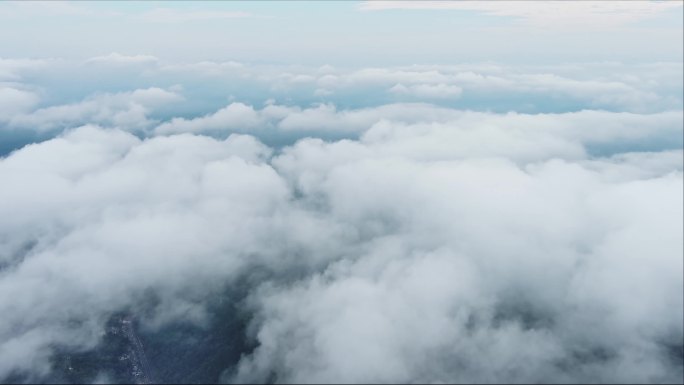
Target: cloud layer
(414, 236)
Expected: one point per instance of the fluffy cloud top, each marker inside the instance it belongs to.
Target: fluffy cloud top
(14, 101)
(125, 109)
(398, 241)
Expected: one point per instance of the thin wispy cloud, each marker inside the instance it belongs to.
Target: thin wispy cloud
(116, 57)
(543, 13)
(173, 15)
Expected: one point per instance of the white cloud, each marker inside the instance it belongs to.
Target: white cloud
(434, 244)
(103, 206)
(387, 75)
(127, 110)
(423, 130)
(14, 101)
(117, 58)
(547, 14)
(415, 246)
(428, 91)
(12, 69)
(634, 93)
(54, 8)
(629, 166)
(456, 257)
(236, 116)
(322, 118)
(206, 68)
(521, 137)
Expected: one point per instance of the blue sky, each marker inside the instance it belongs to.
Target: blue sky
(344, 32)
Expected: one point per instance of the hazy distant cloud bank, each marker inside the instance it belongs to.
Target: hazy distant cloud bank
(418, 235)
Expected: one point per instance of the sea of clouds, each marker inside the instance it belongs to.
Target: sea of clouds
(471, 223)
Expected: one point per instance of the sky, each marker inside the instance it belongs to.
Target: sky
(412, 191)
(347, 32)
